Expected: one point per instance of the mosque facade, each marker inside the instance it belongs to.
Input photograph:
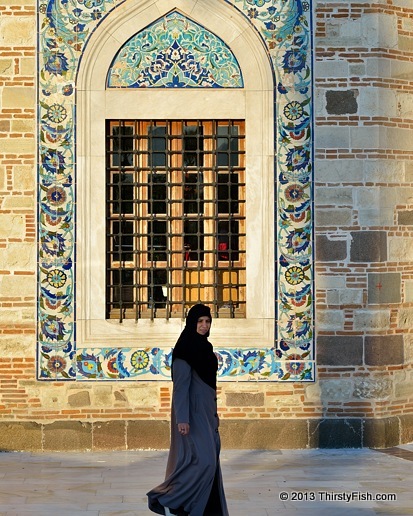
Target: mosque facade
(252, 155)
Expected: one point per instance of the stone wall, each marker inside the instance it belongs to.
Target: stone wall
(363, 198)
(363, 71)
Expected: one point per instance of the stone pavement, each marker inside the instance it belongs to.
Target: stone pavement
(257, 483)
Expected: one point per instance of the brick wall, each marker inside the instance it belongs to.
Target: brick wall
(363, 250)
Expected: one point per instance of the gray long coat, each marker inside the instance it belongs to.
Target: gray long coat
(193, 471)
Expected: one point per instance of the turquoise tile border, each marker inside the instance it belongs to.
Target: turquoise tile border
(64, 28)
(154, 363)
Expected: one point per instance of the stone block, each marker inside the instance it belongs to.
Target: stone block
(18, 255)
(403, 389)
(351, 296)
(332, 320)
(335, 390)
(383, 288)
(23, 126)
(333, 297)
(336, 433)
(397, 138)
(67, 436)
(405, 43)
(24, 436)
(400, 249)
(244, 399)
(372, 388)
(405, 104)
(401, 69)
(19, 202)
(6, 66)
(405, 218)
(312, 392)
(341, 102)
(109, 435)
(357, 70)
(379, 217)
(18, 97)
(147, 434)
(17, 30)
(372, 320)
(102, 396)
(369, 137)
(333, 217)
(276, 434)
(19, 146)
(380, 101)
(339, 171)
(379, 171)
(405, 317)
(79, 399)
(24, 178)
(368, 246)
(330, 282)
(327, 250)
(17, 345)
(379, 30)
(337, 139)
(17, 286)
(12, 226)
(345, 297)
(383, 350)
(406, 24)
(339, 350)
(144, 395)
(328, 69)
(378, 67)
(381, 433)
(376, 197)
(10, 316)
(27, 66)
(406, 428)
(3, 175)
(334, 196)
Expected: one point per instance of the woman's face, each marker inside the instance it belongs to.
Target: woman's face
(203, 325)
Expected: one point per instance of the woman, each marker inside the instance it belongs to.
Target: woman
(193, 482)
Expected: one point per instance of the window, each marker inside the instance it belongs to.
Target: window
(175, 205)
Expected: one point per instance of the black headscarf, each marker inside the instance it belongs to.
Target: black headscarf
(195, 348)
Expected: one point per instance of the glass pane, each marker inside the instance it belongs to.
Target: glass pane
(193, 144)
(228, 193)
(122, 241)
(227, 146)
(123, 193)
(157, 146)
(122, 290)
(157, 194)
(157, 240)
(194, 240)
(122, 146)
(193, 193)
(157, 289)
(228, 240)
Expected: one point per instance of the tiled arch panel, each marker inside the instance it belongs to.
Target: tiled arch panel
(64, 29)
(175, 52)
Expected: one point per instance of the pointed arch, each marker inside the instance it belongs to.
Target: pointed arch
(252, 103)
(175, 52)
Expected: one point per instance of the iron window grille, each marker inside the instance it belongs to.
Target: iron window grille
(175, 209)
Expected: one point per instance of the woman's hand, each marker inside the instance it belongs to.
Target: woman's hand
(183, 428)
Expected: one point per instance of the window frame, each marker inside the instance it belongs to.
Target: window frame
(254, 103)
